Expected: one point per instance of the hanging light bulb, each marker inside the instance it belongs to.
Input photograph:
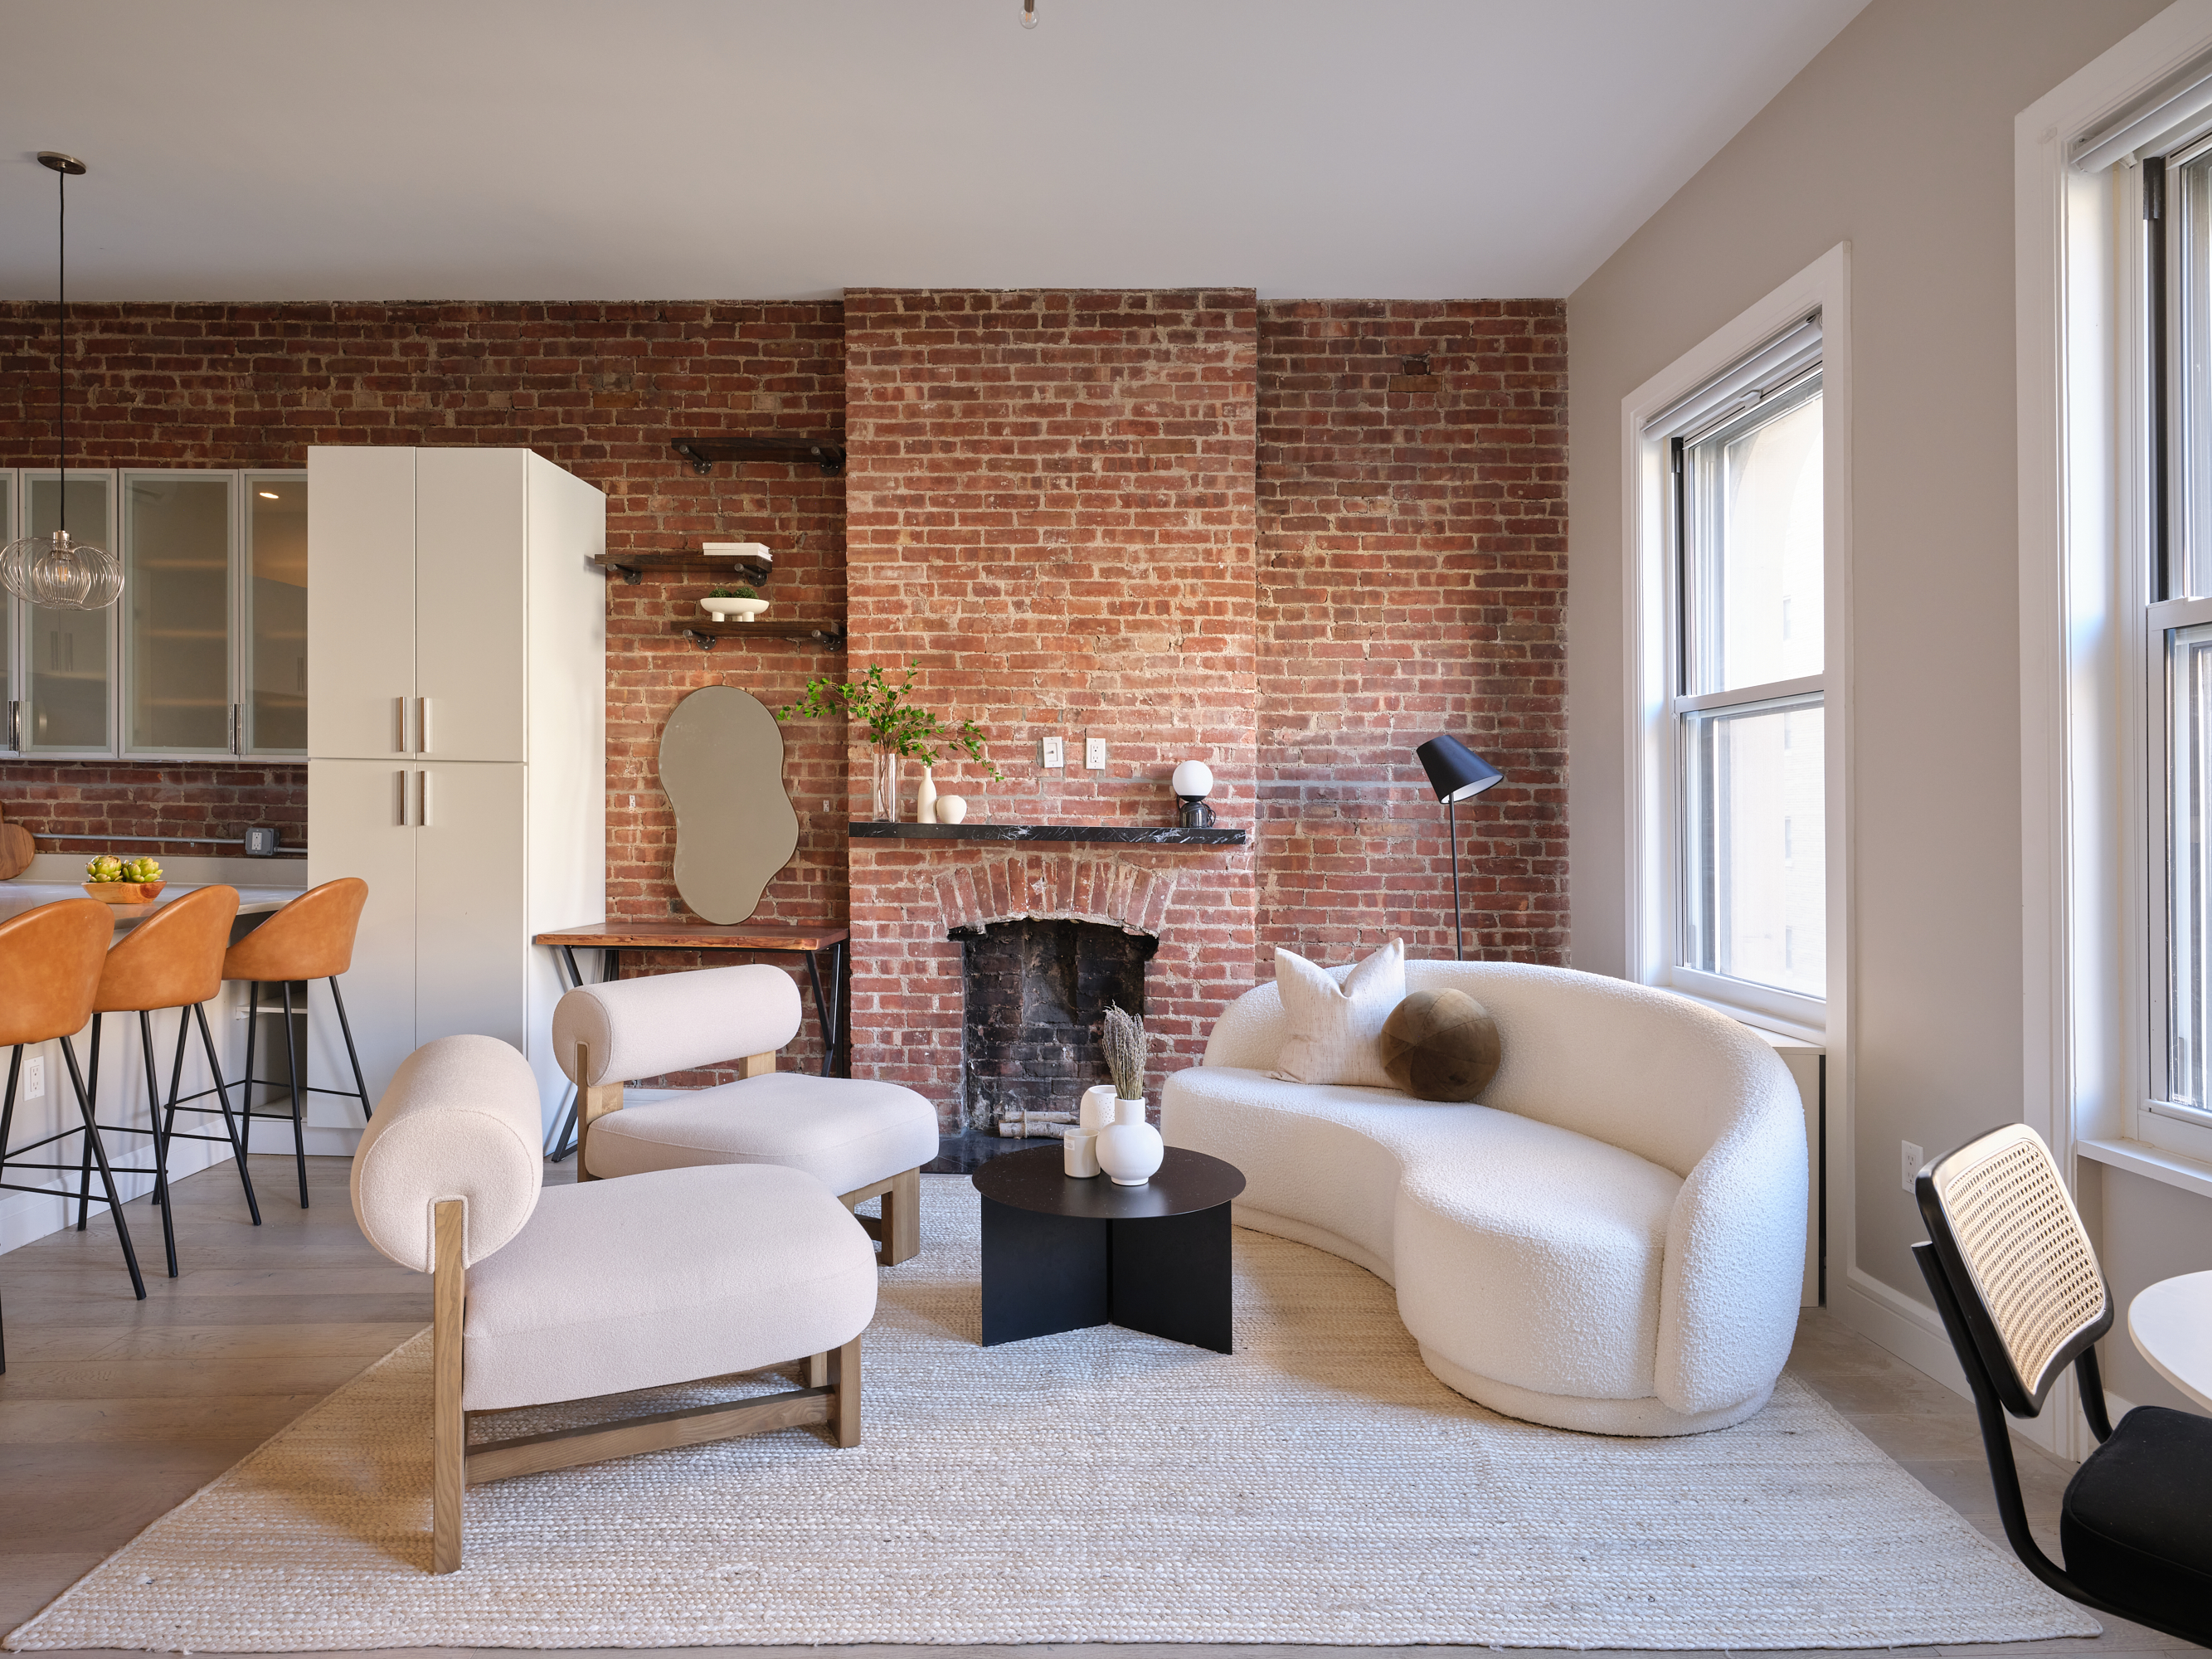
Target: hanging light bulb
(57, 570)
(1029, 14)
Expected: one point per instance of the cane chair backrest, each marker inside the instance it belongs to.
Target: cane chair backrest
(2017, 1255)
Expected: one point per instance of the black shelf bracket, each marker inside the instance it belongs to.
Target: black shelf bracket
(704, 452)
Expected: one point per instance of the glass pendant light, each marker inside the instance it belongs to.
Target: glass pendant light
(58, 570)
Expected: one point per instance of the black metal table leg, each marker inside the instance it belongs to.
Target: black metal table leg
(568, 956)
(1042, 1274)
(1170, 1277)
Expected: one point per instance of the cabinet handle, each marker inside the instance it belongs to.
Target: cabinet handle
(234, 724)
(400, 726)
(14, 724)
(422, 800)
(399, 798)
(422, 726)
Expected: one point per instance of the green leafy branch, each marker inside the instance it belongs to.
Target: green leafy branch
(892, 722)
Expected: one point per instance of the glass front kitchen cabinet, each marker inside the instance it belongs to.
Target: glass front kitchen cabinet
(204, 655)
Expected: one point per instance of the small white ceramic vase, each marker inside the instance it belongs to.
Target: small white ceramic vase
(951, 808)
(1131, 1150)
(1078, 1153)
(1094, 1111)
(925, 798)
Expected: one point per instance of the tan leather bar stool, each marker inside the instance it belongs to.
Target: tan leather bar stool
(311, 938)
(172, 959)
(49, 964)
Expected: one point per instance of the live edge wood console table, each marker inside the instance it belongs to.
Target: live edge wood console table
(761, 938)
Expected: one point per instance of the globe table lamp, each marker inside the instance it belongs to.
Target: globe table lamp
(1192, 783)
(1455, 773)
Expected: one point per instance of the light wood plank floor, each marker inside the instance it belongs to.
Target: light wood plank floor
(113, 1411)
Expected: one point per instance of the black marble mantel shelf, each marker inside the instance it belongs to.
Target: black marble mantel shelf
(1166, 834)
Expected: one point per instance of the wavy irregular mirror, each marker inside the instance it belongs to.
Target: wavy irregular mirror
(721, 764)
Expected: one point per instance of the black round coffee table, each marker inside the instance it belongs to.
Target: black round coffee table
(1062, 1255)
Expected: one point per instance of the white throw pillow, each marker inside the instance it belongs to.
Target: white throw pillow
(1336, 1030)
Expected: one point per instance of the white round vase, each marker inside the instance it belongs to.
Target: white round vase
(1130, 1150)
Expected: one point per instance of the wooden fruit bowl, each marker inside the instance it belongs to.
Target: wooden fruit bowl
(123, 892)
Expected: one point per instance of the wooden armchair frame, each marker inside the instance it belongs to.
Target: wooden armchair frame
(899, 1231)
(830, 1396)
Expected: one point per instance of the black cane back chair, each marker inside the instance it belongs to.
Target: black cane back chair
(2012, 1271)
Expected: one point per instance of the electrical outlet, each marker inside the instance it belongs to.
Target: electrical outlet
(34, 1077)
(1052, 753)
(1913, 1160)
(1094, 754)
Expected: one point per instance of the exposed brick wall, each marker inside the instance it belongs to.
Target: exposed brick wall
(1412, 581)
(135, 804)
(600, 389)
(1050, 502)
(1181, 522)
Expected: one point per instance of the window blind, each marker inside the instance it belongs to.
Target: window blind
(1750, 378)
(2173, 113)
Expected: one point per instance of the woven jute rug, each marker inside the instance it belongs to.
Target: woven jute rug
(1317, 1486)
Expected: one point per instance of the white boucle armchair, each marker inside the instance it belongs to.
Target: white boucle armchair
(571, 1292)
(1612, 1240)
(860, 1138)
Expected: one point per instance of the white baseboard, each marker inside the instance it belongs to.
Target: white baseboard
(1912, 1333)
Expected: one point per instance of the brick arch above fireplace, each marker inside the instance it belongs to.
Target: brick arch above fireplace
(1064, 887)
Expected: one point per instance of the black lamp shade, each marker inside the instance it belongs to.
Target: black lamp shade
(1454, 770)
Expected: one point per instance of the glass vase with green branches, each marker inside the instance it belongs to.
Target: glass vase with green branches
(898, 729)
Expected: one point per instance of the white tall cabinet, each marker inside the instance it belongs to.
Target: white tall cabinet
(456, 740)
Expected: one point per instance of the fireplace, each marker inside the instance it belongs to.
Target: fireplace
(1034, 993)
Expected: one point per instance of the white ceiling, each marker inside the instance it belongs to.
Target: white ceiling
(387, 149)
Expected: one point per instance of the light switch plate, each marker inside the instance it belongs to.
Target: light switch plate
(1053, 753)
(1913, 1160)
(1094, 754)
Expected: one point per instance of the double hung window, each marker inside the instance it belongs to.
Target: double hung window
(1746, 714)
(2176, 267)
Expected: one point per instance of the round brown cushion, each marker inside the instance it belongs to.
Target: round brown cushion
(1440, 1045)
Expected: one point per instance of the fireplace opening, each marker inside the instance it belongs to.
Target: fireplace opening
(1035, 995)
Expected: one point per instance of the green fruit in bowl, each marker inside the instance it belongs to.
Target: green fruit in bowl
(105, 868)
(142, 870)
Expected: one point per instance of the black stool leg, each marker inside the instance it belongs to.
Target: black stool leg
(252, 1021)
(166, 1122)
(161, 1142)
(84, 1177)
(360, 1084)
(299, 1127)
(222, 1098)
(106, 1176)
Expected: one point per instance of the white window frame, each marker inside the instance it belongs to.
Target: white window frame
(1655, 775)
(2089, 884)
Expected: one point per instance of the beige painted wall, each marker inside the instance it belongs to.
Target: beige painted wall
(1899, 139)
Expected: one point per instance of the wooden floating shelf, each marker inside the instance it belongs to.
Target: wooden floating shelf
(1166, 834)
(831, 635)
(633, 565)
(703, 452)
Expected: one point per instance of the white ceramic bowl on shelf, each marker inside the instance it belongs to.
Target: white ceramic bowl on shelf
(723, 609)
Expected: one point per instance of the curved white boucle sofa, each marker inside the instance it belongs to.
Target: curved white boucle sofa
(1612, 1240)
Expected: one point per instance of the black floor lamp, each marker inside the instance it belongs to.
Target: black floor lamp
(1456, 772)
